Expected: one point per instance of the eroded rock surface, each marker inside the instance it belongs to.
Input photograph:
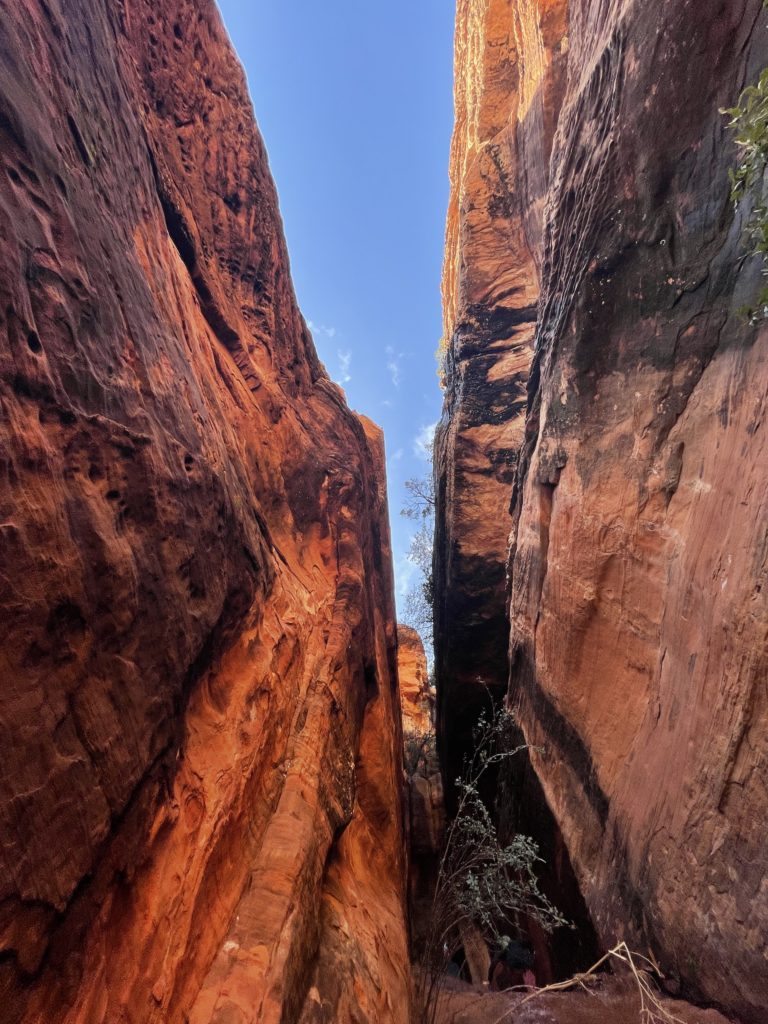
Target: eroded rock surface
(416, 694)
(200, 810)
(423, 781)
(506, 95)
(638, 556)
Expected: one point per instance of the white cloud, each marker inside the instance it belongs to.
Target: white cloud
(393, 365)
(387, 403)
(345, 360)
(392, 462)
(405, 570)
(422, 443)
(329, 332)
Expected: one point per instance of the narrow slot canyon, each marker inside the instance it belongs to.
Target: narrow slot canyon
(274, 752)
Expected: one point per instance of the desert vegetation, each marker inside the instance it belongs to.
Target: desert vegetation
(749, 122)
(482, 883)
(419, 601)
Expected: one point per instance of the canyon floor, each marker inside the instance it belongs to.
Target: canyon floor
(607, 1001)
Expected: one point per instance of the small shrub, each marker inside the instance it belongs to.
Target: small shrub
(481, 881)
(749, 121)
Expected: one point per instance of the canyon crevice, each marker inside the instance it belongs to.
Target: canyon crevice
(222, 789)
(201, 812)
(424, 785)
(601, 464)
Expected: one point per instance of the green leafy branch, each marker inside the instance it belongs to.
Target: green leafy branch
(749, 121)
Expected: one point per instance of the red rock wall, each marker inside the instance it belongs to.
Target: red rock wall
(416, 693)
(200, 789)
(423, 784)
(638, 555)
(504, 108)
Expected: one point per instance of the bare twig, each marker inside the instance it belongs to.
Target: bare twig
(651, 1011)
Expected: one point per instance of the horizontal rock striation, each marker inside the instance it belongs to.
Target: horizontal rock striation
(637, 569)
(200, 793)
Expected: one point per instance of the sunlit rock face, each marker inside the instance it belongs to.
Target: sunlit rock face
(637, 565)
(416, 693)
(200, 788)
(506, 95)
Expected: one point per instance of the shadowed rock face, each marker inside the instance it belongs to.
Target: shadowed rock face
(423, 784)
(638, 557)
(200, 783)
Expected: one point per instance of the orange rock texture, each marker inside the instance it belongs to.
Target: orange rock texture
(637, 472)
(424, 785)
(416, 695)
(506, 94)
(200, 790)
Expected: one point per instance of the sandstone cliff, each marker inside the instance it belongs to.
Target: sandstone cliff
(490, 292)
(424, 784)
(416, 694)
(200, 793)
(637, 566)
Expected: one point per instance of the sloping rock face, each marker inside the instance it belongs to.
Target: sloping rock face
(638, 556)
(506, 95)
(200, 792)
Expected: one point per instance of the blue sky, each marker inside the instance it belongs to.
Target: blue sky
(355, 103)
